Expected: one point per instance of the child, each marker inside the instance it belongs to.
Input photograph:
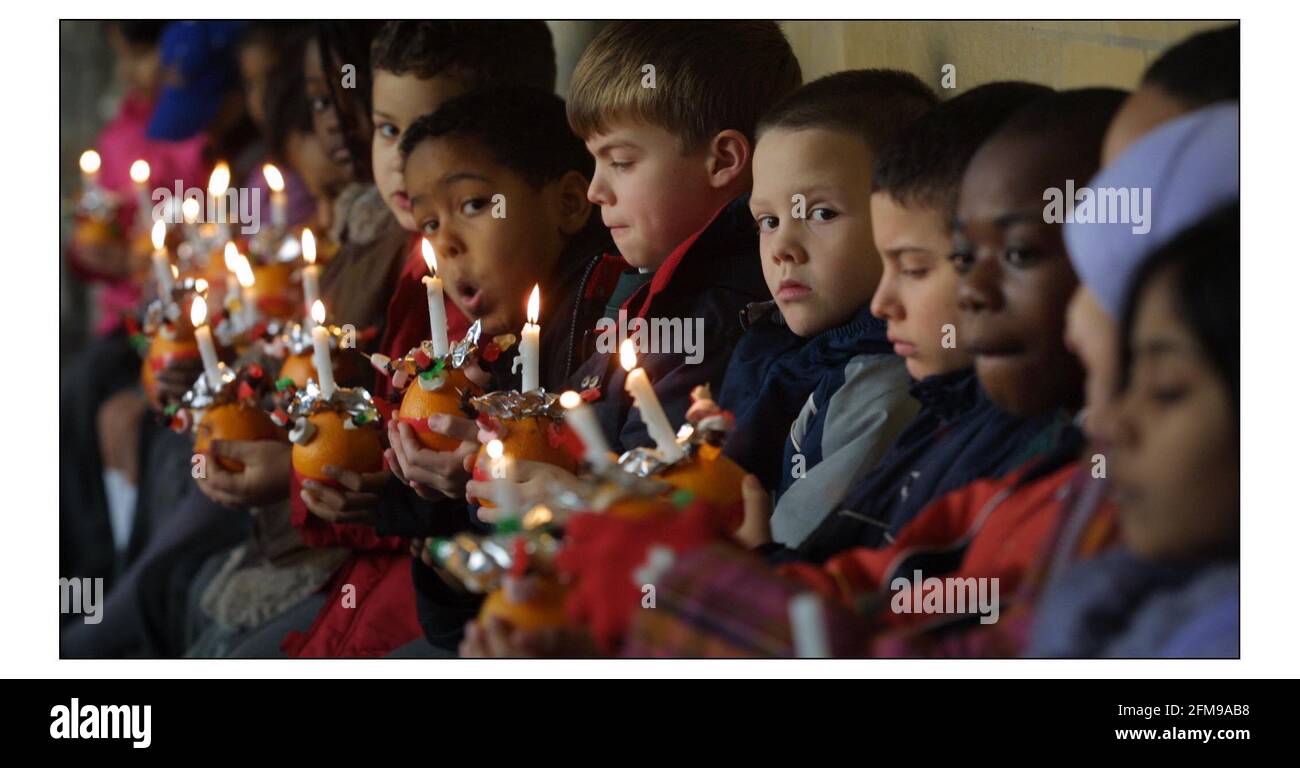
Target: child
(959, 434)
(514, 142)
(1172, 588)
(811, 201)
(672, 172)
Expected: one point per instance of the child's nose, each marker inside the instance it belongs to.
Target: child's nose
(598, 191)
(978, 289)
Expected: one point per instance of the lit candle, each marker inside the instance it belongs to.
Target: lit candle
(279, 213)
(320, 339)
(247, 307)
(190, 210)
(529, 345)
(582, 418)
(140, 179)
(90, 163)
(437, 310)
(218, 211)
(311, 272)
(162, 268)
(207, 348)
(652, 413)
(507, 498)
(234, 292)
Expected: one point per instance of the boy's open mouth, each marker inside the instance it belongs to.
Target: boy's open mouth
(471, 298)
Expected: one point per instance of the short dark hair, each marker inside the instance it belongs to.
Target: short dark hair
(874, 104)
(1206, 259)
(523, 129)
(288, 111)
(479, 52)
(924, 163)
(139, 32)
(1202, 69)
(1076, 120)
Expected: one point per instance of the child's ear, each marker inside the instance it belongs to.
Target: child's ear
(728, 158)
(572, 206)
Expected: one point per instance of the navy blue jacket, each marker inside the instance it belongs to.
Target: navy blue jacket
(959, 436)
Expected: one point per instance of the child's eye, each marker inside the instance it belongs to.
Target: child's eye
(429, 227)
(1019, 257)
(319, 104)
(961, 259)
(387, 130)
(766, 223)
(916, 273)
(823, 214)
(620, 165)
(473, 206)
(1166, 395)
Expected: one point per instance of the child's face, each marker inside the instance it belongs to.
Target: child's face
(819, 262)
(138, 66)
(324, 117)
(489, 264)
(398, 101)
(918, 287)
(322, 177)
(1175, 460)
(1014, 280)
(651, 195)
(255, 66)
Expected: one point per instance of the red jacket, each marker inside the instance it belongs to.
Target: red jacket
(371, 610)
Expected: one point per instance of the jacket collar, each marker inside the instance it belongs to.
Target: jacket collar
(947, 395)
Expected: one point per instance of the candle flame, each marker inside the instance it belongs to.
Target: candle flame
(244, 271)
(627, 354)
(495, 450)
(140, 171)
(308, 246)
(570, 399)
(232, 257)
(201, 286)
(159, 234)
(219, 181)
(430, 258)
(318, 312)
(175, 272)
(190, 210)
(534, 304)
(198, 311)
(273, 178)
(90, 161)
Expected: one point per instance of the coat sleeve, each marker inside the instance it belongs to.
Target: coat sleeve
(858, 424)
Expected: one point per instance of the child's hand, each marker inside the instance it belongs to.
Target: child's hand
(533, 481)
(354, 503)
(496, 638)
(434, 473)
(264, 480)
(756, 530)
(177, 378)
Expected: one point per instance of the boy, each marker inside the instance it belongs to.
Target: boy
(669, 110)
(514, 142)
(812, 187)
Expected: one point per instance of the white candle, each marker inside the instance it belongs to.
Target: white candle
(310, 273)
(507, 497)
(233, 290)
(274, 180)
(162, 268)
(808, 627)
(320, 339)
(437, 309)
(247, 307)
(218, 212)
(530, 343)
(582, 418)
(140, 179)
(190, 210)
(652, 413)
(90, 162)
(207, 348)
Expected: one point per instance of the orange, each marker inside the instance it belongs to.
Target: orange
(234, 421)
(639, 507)
(359, 450)
(544, 610)
(418, 405)
(91, 231)
(526, 440)
(274, 291)
(710, 477)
